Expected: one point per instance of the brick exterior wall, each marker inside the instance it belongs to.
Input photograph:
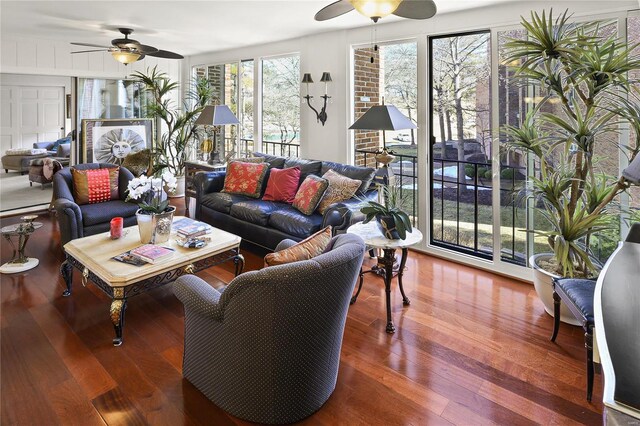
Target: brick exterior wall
(367, 83)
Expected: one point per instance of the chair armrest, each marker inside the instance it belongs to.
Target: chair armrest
(345, 213)
(208, 182)
(198, 296)
(69, 219)
(285, 244)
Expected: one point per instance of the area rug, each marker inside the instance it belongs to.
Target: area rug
(15, 192)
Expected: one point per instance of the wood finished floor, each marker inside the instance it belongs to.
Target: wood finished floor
(472, 349)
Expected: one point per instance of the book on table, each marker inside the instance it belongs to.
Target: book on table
(187, 227)
(151, 253)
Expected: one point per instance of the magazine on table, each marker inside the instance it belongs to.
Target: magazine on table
(187, 227)
(144, 254)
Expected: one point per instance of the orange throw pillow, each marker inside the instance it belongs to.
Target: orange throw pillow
(95, 185)
(304, 250)
(245, 178)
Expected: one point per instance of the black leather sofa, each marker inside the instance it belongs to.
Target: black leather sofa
(266, 223)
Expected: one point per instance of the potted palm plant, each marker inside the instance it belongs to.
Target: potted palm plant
(585, 96)
(177, 124)
(390, 216)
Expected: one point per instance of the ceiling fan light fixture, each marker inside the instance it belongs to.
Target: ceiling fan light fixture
(375, 9)
(124, 56)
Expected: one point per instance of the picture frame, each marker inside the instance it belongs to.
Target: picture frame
(111, 140)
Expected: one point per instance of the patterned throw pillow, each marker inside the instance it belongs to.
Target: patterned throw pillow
(249, 160)
(282, 185)
(95, 185)
(138, 163)
(340, 188)
(309, 194)
(304, 250)
(245, 178)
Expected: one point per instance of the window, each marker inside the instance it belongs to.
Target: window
(461, 171)
(389, 74)
(281, 106)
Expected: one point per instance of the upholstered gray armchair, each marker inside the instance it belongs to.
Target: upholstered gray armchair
(266, 349)
(77, 221)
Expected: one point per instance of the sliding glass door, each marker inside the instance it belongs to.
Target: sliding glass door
(460, 148)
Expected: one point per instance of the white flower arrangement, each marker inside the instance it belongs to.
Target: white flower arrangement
(149, 190)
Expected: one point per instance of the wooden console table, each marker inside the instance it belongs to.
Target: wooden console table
(193, 167)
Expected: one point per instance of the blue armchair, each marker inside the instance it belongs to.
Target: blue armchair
(266, 349)
(77, 221)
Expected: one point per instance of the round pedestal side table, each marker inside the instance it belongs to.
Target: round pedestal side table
(387, 266)
(20, 262)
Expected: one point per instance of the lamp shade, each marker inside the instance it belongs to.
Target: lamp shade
(383, 117)
(124, 56)
(375, 8)
(306, 78)
(326, 77)
(216, 115)
(632, 172)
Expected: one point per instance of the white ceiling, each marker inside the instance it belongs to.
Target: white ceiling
(185, 27)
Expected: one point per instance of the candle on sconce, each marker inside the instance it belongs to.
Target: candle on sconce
(326, 79)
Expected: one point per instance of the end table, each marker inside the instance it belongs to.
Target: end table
(20, 262)
(373, 237)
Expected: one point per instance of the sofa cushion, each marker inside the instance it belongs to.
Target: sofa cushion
(95, 185)
(93, 214)
(248, 160)
(306, 249)
(340, 188)
(307, 167)
(282, 185)
(254, 211)
(245, 178)
(290, 221)
(64, 150)
(221, 201)
(274, 161)
(363, 174)
(310, 193)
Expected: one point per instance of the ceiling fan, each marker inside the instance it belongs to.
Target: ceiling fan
(126, 50)
(376, 9)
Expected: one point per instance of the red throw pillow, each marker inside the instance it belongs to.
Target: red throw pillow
(309, 194)
(95, 185)
(245, 178)
(282, 185)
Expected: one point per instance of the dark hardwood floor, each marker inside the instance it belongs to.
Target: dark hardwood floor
(472, 348)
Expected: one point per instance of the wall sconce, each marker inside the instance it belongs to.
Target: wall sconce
(326, 79)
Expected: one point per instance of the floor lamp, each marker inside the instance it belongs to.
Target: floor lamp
(216, 115)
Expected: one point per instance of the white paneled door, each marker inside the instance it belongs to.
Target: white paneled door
(31, 114)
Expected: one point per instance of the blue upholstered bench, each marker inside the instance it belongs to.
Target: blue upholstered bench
(577, 294)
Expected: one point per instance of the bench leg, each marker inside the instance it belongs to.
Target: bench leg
(588, 344)
(556, 316)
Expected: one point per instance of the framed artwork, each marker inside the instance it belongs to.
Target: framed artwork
(111, 140)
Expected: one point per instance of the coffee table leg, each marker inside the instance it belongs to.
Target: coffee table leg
(239, 261)
(118, 306)
(66, 270)
(403, 262)
(388, 260)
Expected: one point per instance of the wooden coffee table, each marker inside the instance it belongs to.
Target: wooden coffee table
(92, 256)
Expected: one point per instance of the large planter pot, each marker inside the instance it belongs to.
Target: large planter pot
(155, 228)
(179, 192)
(542, 281)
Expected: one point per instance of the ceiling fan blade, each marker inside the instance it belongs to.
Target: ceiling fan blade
(165, 54)
(87, 51)
(90, 45)
(334, 10)
(143, 48)
(416, 9)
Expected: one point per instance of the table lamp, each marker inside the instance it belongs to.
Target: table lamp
(383, 117)
(216, 115)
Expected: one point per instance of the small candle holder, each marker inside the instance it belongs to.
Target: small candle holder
(117, 225)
